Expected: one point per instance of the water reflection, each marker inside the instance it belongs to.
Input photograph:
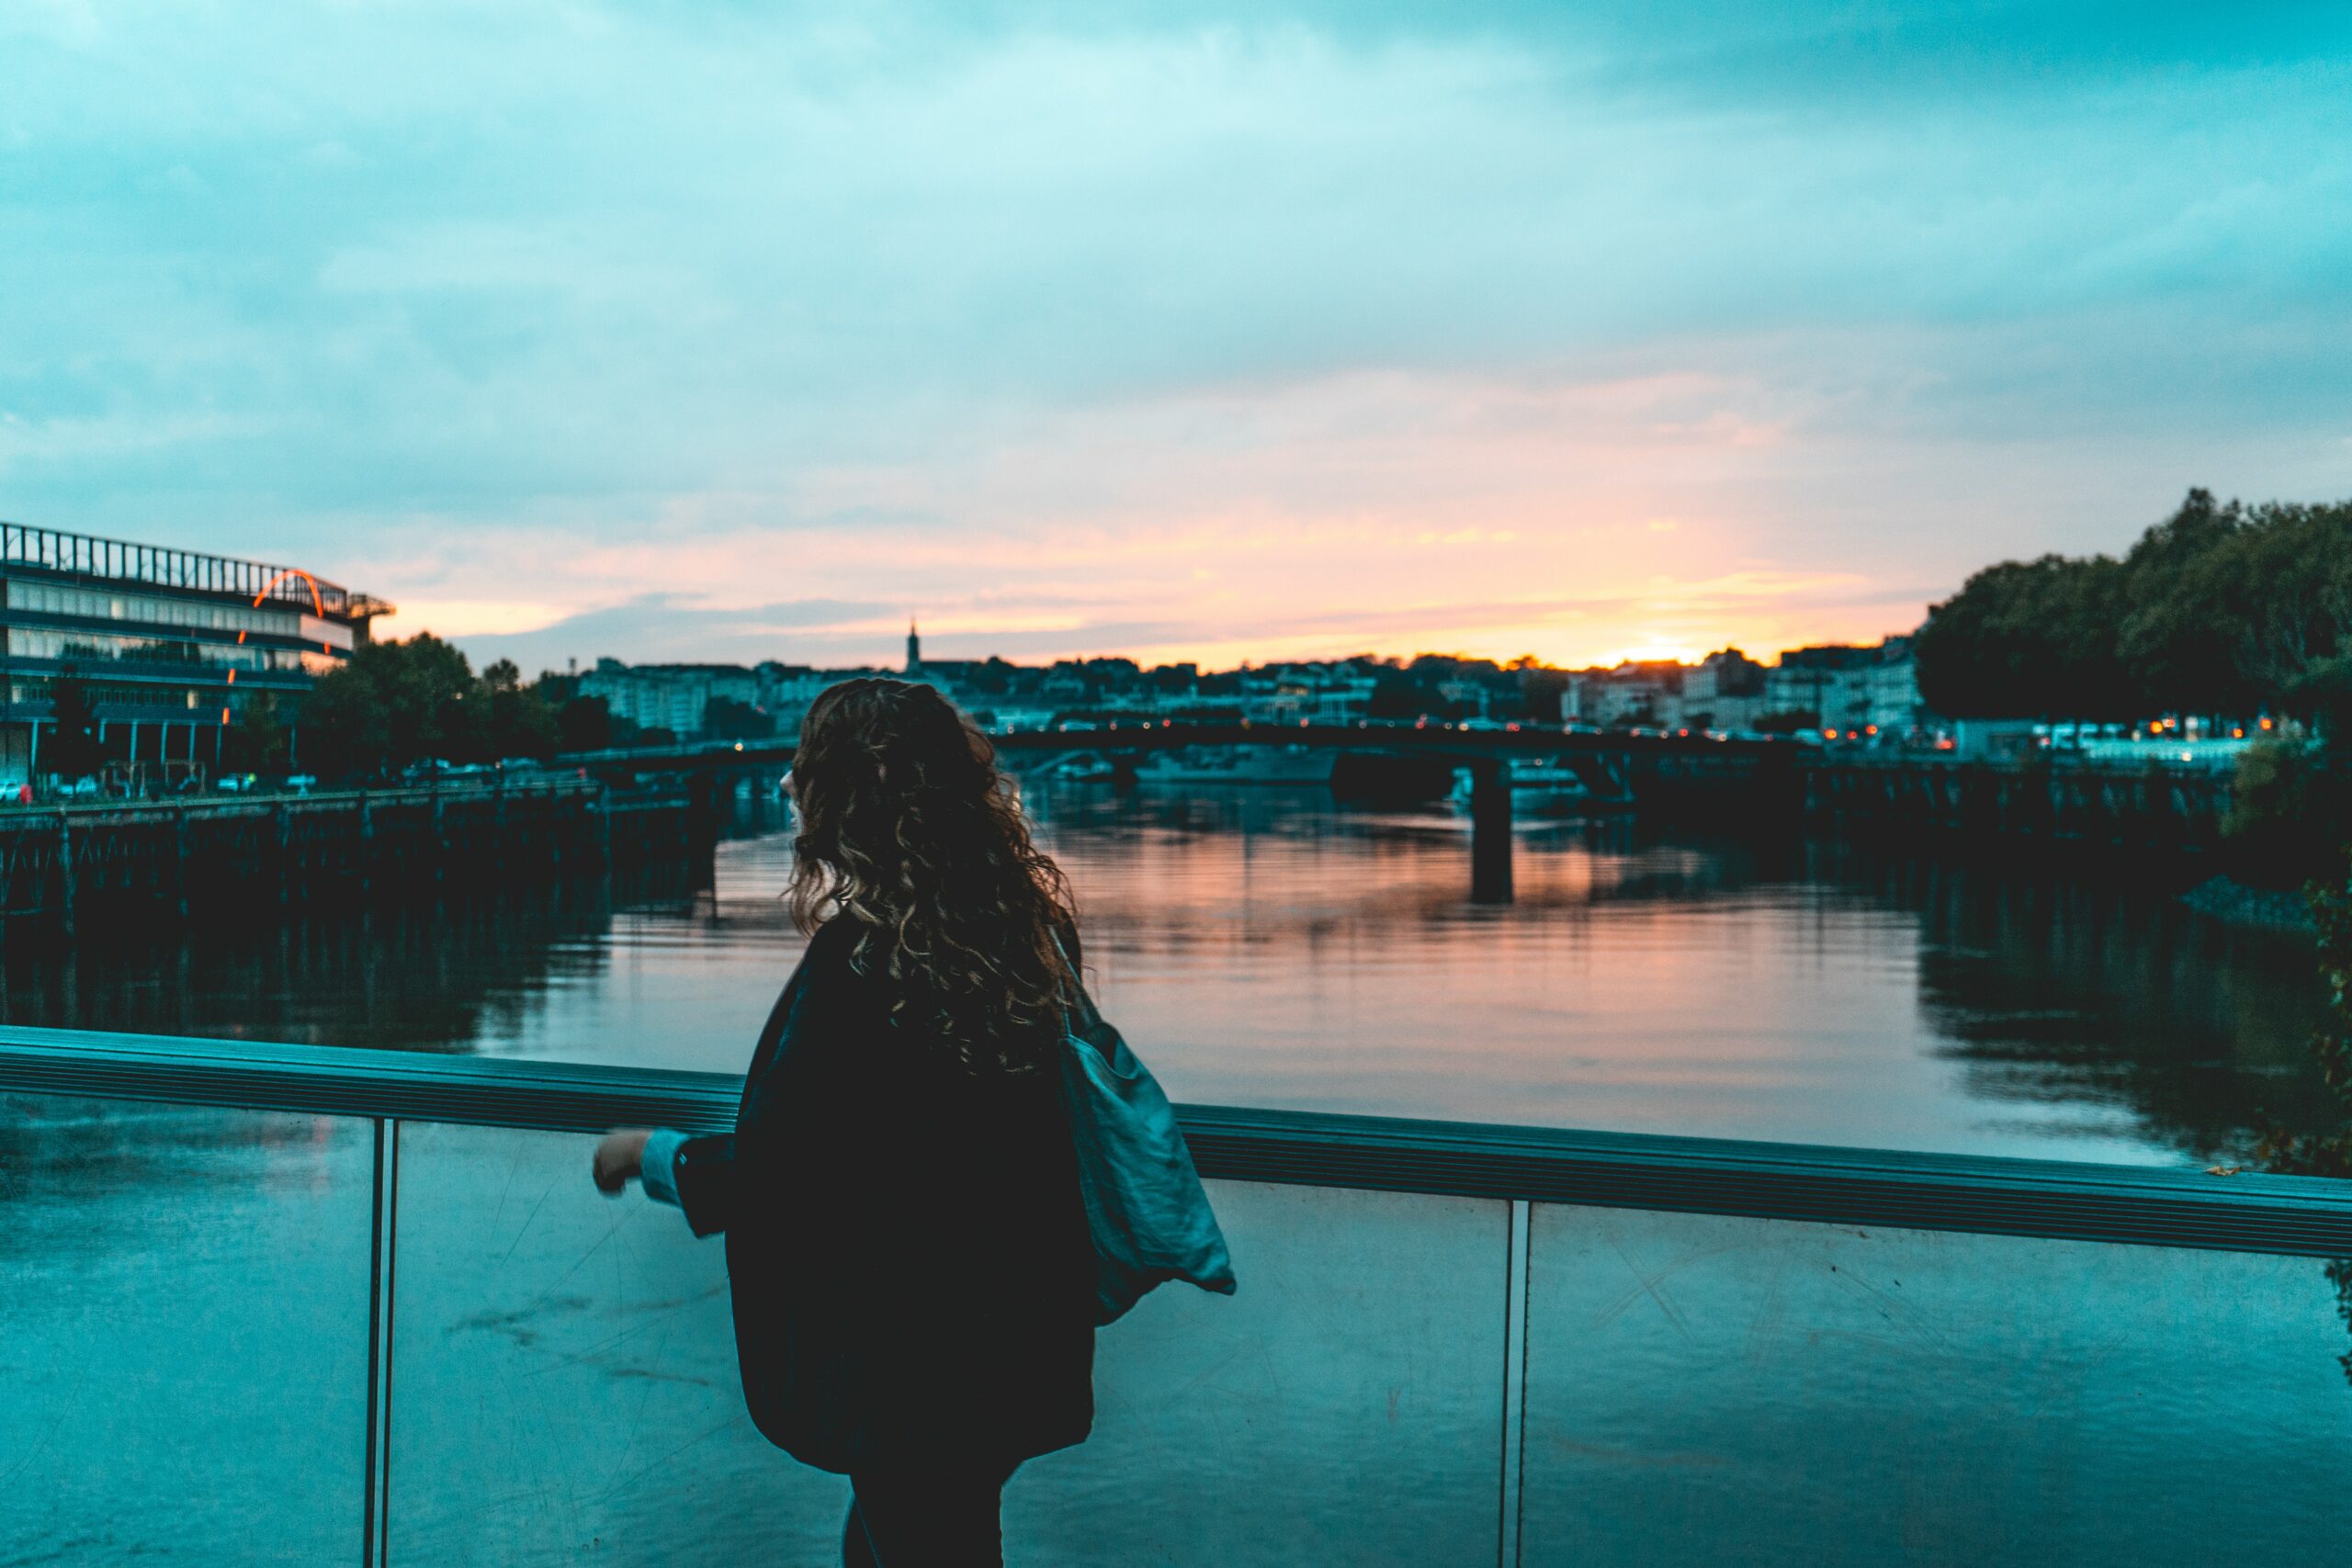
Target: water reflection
(442, 975)
(1264, 948)
(565, 1361)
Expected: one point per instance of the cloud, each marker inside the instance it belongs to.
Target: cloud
(668, 627)
(577, 321)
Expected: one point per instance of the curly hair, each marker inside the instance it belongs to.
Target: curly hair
(908, 829)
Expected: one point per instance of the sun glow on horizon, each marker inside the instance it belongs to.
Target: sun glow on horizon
(1653, 653)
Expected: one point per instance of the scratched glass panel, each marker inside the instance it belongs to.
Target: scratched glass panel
(564, 1381)
(1344, 1407)
(566, 1385)
(1712, 1390)
(183, 1333)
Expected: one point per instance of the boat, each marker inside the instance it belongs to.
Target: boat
(1547, 782)
(1551, 778)
(1086, 767)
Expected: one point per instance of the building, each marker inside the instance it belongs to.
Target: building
(1309, 694)
(1464, 695)
(1645, 693)
(1877, 698)
(1873, 696)
(167, 647)
(1801, 683)
(785, 692)
(1723, 690)
(675, 697)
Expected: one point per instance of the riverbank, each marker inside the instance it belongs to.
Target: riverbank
(2234, 903)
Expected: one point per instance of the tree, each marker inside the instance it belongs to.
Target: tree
(519, 720)
(2031, 639)
(2323, 696)
(2293, 574)
(586, 724)
(2328, 1152)
(1395, 694)
(345, 729)
(256, 743)
(2181, 623)
(72, 750)
(2219, 609)
(2290, 810)
(1541, 687)
(394, 703)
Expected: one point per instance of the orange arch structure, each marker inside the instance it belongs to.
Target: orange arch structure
(317, 602)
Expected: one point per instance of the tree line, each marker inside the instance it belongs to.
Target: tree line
(398, 702)
(2219, 609)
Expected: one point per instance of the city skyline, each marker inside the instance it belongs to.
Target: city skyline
(1179, 334)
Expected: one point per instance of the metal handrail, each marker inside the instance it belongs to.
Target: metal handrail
(2058, 1200)
(162, 565)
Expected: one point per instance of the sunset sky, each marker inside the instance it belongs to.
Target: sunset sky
(726, 331)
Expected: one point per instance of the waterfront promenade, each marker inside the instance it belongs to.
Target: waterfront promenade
(61, 865)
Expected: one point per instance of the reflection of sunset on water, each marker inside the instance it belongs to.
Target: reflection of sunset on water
(1263, 948)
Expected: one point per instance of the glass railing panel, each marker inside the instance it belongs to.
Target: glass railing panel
(184, 1325)
(1343, 1407)
(564, 1387)
(1703, 1390)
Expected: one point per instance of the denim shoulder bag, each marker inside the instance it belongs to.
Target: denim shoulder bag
(1149, 1217)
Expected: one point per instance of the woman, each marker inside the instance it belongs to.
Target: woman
(907, 1247)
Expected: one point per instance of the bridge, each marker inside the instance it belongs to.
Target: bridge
(1621, 768)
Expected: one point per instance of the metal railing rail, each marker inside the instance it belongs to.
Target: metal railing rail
(2146, 1206)
(161, 566)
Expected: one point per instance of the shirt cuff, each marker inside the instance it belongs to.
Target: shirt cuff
(659, 1168)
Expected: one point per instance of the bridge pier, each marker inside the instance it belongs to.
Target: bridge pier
(1490, 879)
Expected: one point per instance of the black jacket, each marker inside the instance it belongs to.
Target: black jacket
(906, 1246)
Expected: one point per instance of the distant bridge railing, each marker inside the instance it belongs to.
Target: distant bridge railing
(406, 1329)
(1479, 741)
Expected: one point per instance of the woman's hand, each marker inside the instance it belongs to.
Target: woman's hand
(620, 1155)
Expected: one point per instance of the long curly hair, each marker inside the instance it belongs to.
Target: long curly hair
(908, 829)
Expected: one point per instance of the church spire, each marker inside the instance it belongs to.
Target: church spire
(914, 647)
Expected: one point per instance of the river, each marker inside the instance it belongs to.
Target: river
(184, 1294)
(1259, 947)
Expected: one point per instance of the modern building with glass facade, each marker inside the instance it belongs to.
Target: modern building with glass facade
(170, 646)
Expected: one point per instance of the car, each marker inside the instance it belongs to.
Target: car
(301, 783)
(528, 764)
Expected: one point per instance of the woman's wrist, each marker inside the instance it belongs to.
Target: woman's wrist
(620, 1155)
(657, 1165)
